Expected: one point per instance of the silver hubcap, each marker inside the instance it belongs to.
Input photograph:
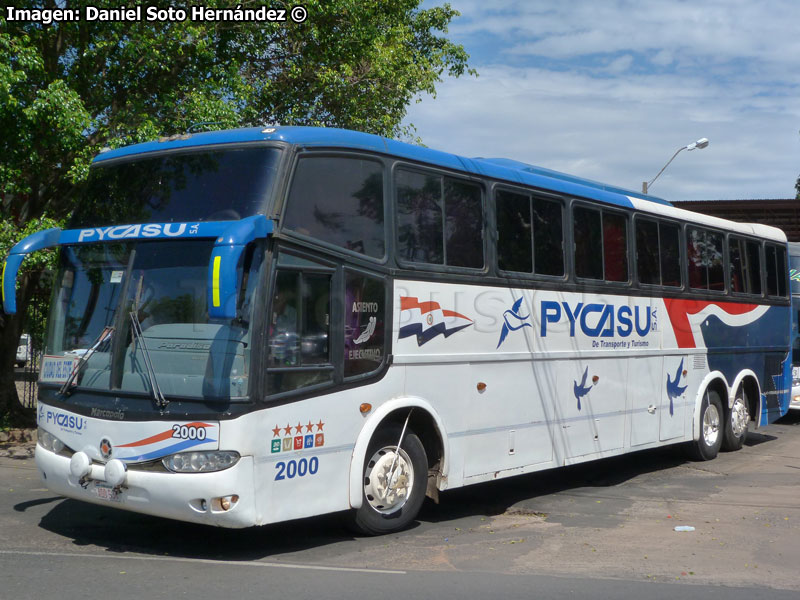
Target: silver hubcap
(388, 479)
(739, 417)
(711, 425)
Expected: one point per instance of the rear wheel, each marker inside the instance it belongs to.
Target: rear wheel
(736, 423)
(711, 428)
(394, 482)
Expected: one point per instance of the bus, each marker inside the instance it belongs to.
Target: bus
(794, 279)
(270, 323)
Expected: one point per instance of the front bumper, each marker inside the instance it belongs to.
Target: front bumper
(191, 497)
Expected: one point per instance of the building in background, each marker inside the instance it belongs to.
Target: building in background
(783, 213)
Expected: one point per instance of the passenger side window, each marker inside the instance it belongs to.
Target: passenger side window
(658, 253)
(744, 266)
(601, 244)
(776, 270)
(364, 325)
(339, 200)
(439, 220)
(704, 258)
(514, 232)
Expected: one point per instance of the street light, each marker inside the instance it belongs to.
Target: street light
(698, 145)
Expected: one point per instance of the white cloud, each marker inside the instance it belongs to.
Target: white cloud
(620, 65)
(718, 69)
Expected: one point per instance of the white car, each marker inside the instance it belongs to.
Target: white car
(23, 350)
(794, 401)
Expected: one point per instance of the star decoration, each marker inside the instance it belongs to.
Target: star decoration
(288, 429)
(276, 432)
(320, 425)
(309, 427)
(298, 428)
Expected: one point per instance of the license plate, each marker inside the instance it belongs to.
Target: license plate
(106, 492)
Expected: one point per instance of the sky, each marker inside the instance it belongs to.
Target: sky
(610, 89)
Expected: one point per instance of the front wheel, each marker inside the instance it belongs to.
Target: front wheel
(736, 424)
(711, 428)
(394, 482)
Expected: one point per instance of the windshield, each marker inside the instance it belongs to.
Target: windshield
(219, 185)
(163, 283)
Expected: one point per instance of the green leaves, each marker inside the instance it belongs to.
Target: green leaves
(67, 89)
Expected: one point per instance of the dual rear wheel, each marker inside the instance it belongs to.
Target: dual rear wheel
(718, 431)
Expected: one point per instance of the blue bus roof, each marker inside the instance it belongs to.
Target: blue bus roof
(327, 137)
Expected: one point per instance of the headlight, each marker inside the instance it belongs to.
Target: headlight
(201, 462)
(48, 441)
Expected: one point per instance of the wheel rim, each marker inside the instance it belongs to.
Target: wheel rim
(739, 417)
(386, 488)
(711, 425)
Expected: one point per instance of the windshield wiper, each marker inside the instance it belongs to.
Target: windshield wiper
(104, 337)
(138, 336)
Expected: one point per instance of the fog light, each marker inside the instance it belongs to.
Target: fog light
(228, 502)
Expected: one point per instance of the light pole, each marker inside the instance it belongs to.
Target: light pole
(698, 145)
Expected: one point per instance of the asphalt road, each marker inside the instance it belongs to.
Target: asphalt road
(604, 530)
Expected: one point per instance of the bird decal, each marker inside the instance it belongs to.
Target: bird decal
(673, 389)
(515, 317)
(581, 390)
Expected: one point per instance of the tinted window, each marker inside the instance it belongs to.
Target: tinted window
(548, 237)
(419, 217)
(601, 248)
(753, 266)
(776, 270)
(615, 249)
(299, 331)
(223, 185)
(463, 224)
(648, 265)
(670, 251)
(514, 232)
(588, 243)
(364, 328)
(704, 257)
(339, 200)
(439, 220)
(782, 291)
(744, 266)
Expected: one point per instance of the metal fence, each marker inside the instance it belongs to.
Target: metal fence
(34, 323)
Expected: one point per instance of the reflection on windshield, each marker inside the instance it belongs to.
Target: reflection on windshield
(219, 185)
(164, 285)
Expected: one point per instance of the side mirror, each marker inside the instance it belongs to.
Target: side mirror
(223, 285)
(36, 241)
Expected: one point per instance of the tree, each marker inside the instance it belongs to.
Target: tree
(69, 88)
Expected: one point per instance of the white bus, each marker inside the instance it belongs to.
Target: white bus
(266, 324)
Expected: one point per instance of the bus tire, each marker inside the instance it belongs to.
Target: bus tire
(736, 423)
(383, 509)
(711, 428)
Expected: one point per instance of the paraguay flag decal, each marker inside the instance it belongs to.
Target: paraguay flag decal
(426, 320)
